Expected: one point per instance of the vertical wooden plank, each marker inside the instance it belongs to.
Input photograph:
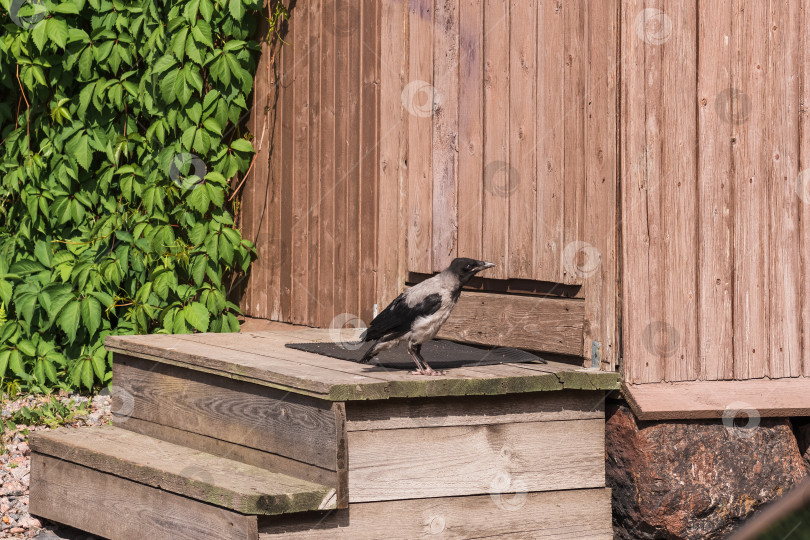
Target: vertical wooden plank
(574, 138)
(781, 157)
(315, 171)
(495, 238)
(548, 234)
(445, 133)
(287, 144)
(354, 120)
(601, 219)
(272, 213)
(369, 155)
(679, 190)
(394, 122)
(300, 178)
(641, 231)
(327, 213)
(715, 268)
(342, 127)
(751, 243)
(522, 136)
(418, 101)
(470, 127)
(803, 183)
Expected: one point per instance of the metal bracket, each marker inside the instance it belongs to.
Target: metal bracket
(596, 355)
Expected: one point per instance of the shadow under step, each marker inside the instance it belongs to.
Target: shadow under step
(219, 481)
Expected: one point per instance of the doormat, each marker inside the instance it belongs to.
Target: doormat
(439, 354)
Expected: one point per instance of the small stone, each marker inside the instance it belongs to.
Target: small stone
(24, 449)
(16, 530)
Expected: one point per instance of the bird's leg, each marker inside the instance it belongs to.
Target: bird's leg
(417, 349)
(419, 369)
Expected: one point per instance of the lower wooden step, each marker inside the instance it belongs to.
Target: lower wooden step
(176, 469)
(577, 514)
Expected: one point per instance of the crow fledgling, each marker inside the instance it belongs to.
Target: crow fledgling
(416, 315)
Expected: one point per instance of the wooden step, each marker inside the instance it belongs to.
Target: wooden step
(215, 480)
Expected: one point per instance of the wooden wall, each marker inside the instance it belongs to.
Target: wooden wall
(715, 203)
(310, 204)
(403, 134)
(502, 146)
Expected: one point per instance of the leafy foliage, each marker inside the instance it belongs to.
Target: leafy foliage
(120, 130)
(52, 413)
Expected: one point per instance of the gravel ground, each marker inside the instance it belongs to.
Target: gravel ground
(15, 464)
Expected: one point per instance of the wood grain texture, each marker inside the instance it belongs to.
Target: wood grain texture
(344, 17)
(116, 508)
(537, 323)
(286, 177)
(678, 191)
(522, 136)
(326, 264)
(314, 147)
(715, 189)
(583, 514)
(750, 212)
(197, 475)
(262, 359)
(300, 204)
(781, 163)
(444, 221)
(398, 464)
(803, 184)
(419, 102)
(287, 424)
(714, 399)
(218, 447)
(351, 261)
(548, 236)
(470, 128)
(498, 172)
(460, 411)
(392, 198)
(600, 283)
(574, 43)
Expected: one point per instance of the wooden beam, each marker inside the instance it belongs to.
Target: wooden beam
(197, 475)
(113, 507)
(714, 399)
(541, 324)
(581, 513)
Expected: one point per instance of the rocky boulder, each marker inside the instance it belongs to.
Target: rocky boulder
(695, 479)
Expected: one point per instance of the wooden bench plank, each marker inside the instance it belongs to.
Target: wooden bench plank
(581, 514)
(238, 452)
(711, 399)
(284, 423)
(446, 461)
(117, 508)
(471, 411)
(191, 473)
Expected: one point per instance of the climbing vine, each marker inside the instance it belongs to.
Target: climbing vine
(122, 134)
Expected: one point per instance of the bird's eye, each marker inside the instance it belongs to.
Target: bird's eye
(468, 267)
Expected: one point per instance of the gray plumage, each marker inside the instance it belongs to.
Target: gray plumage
(415, 316)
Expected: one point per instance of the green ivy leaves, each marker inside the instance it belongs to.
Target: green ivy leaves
(119, 143)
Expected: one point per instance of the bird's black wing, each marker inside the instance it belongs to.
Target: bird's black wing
(397, 318)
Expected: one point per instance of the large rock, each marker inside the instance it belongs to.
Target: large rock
(695, 479)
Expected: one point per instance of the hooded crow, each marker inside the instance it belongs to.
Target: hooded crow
(416, 315)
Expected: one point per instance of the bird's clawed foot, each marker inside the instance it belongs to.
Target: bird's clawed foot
(429, 371)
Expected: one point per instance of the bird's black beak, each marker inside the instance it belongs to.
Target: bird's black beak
(483, 265)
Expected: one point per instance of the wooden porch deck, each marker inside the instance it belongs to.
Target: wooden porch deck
(328, 448)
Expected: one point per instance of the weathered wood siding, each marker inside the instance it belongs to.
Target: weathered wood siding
(715, 203)
(310, 203)
(402, 134)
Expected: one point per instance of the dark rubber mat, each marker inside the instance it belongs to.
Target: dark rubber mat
(439, 354)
